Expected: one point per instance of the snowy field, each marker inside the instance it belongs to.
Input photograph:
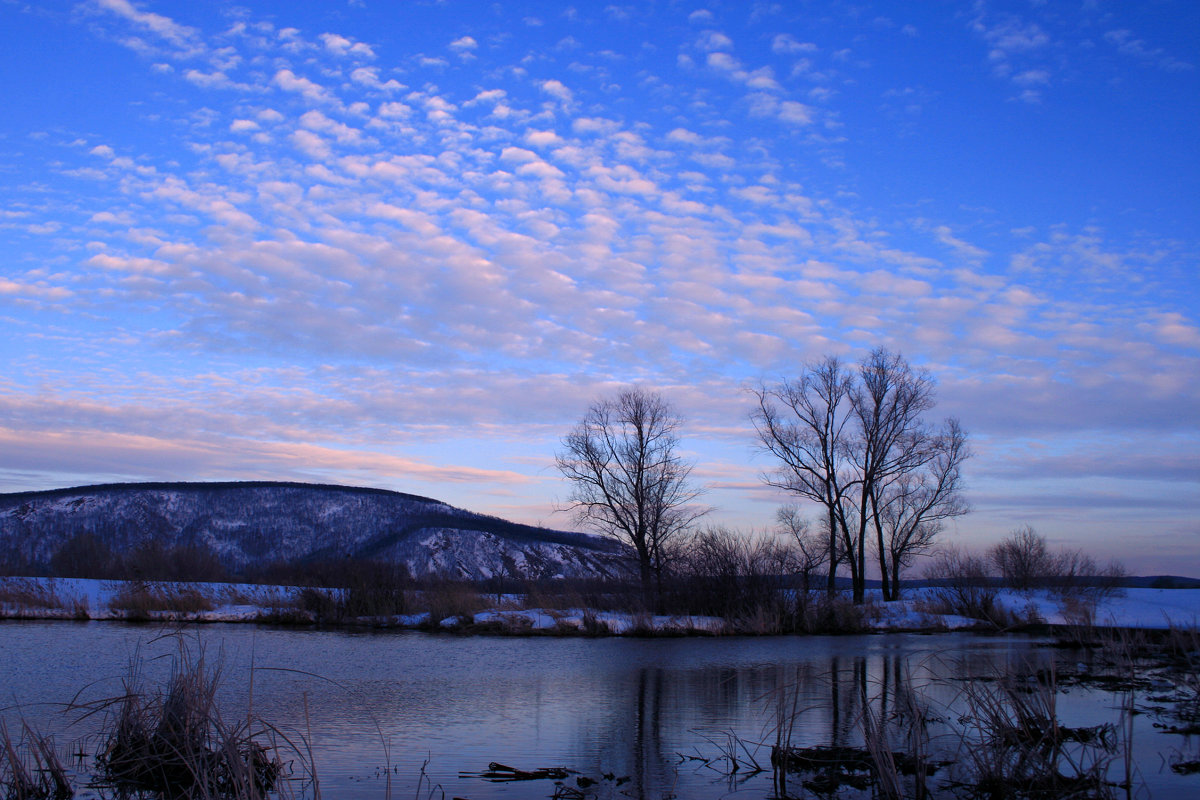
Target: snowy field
(72, 598)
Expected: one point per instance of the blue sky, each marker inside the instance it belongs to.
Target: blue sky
(405, 244)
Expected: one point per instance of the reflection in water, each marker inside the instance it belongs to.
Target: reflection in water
(625, 708)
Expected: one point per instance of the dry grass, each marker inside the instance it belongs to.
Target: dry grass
(448, 600)
(173, 742)
(142, 600)
(1014, 745)
(30, 768)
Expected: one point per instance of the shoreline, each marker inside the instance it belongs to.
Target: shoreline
(1033, 612)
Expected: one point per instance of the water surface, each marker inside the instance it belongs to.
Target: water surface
(642, 709)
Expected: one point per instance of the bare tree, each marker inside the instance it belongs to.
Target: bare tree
(913, 507)
(809, 547)
(889, 399)
(856, 443)
(628, 480)
(807, 432)
(1024, 559)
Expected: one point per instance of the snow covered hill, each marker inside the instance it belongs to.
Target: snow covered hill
(254, 524)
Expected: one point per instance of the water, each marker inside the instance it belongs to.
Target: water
(642, 709)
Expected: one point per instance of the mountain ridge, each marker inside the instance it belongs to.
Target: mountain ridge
(248, 524)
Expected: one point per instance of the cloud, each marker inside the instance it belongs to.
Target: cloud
(369, 76)
(964, 249)
(342, 47)
(464, 47)
(762, 78)
(316, 121)
(1127, 44)
(786, 44)
(557, 90)
(184, 41)
(123, 455)
(795, 113)
(1011, 41)
(595, 125)
(685, 136)
(290, 82)
(538, 138)
(714, 40)
(214, 80)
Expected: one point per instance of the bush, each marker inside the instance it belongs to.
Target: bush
(1023, 559)
(833, 614)
(375, 589)
(964, 588)
(746, 581)
(446, 599)
(173, 743)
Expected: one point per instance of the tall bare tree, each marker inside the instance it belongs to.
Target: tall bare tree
(913, 507)
(855, 442)
(804, 423)
(628, 479)
(889, 399)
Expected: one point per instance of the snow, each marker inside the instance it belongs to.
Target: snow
(1128, 608)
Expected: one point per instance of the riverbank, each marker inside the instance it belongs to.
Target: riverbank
(921, 609)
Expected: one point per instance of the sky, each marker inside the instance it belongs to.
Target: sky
(406, 244)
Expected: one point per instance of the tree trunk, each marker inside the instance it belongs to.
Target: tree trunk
(647, 579)
(895, 577)
(858, 561)
(883, 555)
(831, 580)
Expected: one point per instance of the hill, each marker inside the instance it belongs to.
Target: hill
(246, 526)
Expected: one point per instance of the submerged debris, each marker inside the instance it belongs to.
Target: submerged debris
(502, 773)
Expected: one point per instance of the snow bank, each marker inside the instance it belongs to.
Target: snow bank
(76, 598)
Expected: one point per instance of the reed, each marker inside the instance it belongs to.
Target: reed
(172, 741)
(1014, 745)
(30, 768)
(145, 600)
(22, 597)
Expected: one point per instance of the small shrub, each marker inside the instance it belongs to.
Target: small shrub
(834, 614)
(964, 588)
(81, 608)
(1025, 562)
(375, 589)
(322, 605)
(449, 599)
(593, 625)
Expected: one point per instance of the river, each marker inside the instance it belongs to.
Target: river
(639, 716)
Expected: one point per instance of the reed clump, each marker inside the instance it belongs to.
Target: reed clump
(30, 768)
(174, 743)
(1014, 745)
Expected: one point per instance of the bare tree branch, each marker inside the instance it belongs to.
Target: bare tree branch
(627, 478)
(856, 443)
